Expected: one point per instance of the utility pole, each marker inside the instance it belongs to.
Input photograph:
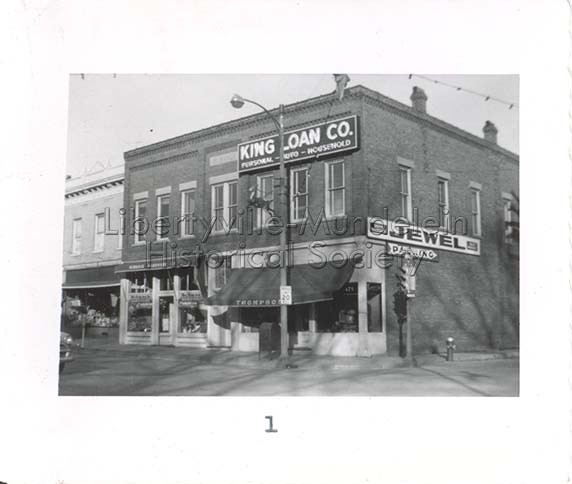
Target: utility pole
(237, 102)
(285, 209)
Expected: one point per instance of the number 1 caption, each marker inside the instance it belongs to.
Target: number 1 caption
(270, 429)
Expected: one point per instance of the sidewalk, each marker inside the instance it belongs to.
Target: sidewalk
(299, 359)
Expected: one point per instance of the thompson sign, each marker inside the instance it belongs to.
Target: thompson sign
(381, 229)
(337, 136)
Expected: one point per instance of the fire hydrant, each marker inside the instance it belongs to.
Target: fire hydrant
(450, 348)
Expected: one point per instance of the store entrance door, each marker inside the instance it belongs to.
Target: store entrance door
(166, 320)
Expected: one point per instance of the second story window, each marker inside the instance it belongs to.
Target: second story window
(76, 236)
(265, 192)
(299, 194)
(509, 218)
(233, 203)
(405, 181)
(443, 202)
(99, 232)
(224, 202)
(140, 222)
(187, 211)
(476, 211)
(335, 189)
(163, 207)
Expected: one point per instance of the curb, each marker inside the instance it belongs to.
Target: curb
(205, 357)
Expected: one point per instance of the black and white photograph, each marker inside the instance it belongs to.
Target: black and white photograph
(282, 242)
(345, 243)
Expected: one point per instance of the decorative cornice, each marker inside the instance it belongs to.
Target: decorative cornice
(92, 188)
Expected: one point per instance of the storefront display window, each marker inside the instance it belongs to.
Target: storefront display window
(139, 318)
(140, 305)
(192, 320)
(341, 314)
(92, 307)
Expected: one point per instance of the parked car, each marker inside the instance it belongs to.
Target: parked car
(66, 355)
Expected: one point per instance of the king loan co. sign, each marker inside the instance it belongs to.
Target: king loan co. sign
(381, 229)
(336, 136)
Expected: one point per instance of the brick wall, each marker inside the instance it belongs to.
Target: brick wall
(175, 164)
(474, 299)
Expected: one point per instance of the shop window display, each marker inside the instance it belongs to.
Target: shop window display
(192, 320)
(341, 314)
(140, 306)
(93, 308)
(139, 318)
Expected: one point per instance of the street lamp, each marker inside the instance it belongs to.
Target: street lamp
(237, 102)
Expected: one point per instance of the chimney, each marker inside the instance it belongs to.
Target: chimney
(419, 100)
(490, 131)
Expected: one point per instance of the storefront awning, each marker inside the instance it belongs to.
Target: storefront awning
(91, 278)
(261, 287)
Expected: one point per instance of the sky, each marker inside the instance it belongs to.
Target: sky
(109, 114)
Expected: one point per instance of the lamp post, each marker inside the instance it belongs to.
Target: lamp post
(237, 102)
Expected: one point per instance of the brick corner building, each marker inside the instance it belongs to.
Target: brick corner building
(200, 254)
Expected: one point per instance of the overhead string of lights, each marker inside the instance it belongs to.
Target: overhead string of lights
(486, 97)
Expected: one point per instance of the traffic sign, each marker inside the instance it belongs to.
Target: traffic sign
(286, 295)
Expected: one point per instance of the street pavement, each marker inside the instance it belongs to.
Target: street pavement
(102, 368)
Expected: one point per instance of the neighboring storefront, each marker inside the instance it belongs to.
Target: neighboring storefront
(201, 250)
(163, 306)
(92, 252)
